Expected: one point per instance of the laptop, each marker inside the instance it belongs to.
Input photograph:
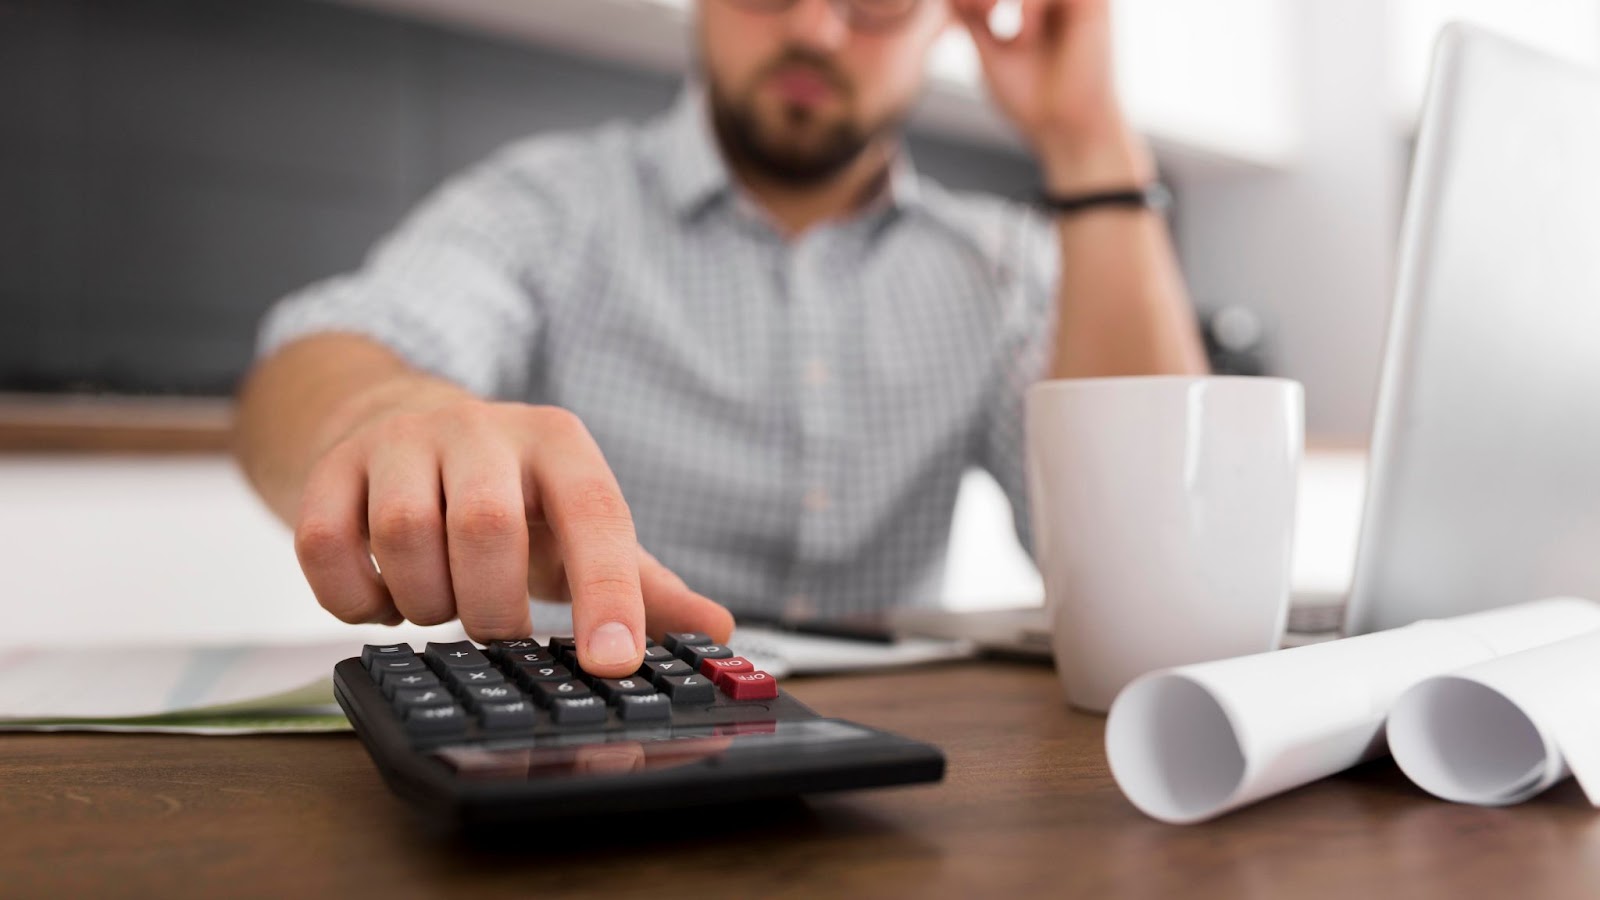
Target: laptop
(1484, 484)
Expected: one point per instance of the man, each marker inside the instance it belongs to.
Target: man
(750, 318)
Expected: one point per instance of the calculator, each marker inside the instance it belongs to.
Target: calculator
(518, 732)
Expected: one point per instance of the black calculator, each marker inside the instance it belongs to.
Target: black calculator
(517, 732)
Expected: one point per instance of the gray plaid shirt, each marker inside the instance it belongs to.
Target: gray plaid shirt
(789, 419)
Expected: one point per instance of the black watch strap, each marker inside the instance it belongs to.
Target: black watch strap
(1153, 196)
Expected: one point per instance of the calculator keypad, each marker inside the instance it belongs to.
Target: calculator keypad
(512, 686)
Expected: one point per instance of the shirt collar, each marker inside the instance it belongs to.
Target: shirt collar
(694, 173)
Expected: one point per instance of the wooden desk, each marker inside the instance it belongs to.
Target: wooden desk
(1028, 809)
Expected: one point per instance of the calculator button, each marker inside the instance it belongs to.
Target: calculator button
(529, 658)
(456, 655)
(500, 649)
(393, 684)
(424, 696)
(547, 692)
(470, 678)
(385, 669)
(656, 671)
(436, 719)
(515, 714)
(548, 672)
(644, 708)
(571, 710)
(750, 686)
(676, 640)
(480, 695)
(657, 653)
(613, 688)
(689, 689)
(715, 669)
(384, 651)
(562, 648)
(695, 654)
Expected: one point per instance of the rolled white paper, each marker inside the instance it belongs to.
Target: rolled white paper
(1190, 743)
(1501, 731)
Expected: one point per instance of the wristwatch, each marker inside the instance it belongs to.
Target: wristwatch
(1152, 196)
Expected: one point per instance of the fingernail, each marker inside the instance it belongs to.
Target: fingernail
(610, 644)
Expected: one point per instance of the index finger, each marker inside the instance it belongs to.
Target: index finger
(579, 497)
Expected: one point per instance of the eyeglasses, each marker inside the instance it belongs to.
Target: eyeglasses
(861, 15)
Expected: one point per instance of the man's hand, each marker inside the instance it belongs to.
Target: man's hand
(467, 507)
(1054, 81)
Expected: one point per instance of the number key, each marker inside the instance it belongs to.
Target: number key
(677, 639)
(547, 692)
(689, 689)
(615, 688)
(656, 671)
(546, 672)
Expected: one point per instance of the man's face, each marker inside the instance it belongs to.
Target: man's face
(798, 91)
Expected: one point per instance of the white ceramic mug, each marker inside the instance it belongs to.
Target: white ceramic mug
(1163, 520)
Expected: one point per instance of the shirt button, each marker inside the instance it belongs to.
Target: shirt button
(816, 374)
(817, 499)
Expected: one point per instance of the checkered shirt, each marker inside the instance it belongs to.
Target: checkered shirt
(789, 419)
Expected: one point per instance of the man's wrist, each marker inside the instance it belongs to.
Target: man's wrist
(1118, 158)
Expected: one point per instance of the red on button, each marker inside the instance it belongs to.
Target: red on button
(714, 669)
(750, 686)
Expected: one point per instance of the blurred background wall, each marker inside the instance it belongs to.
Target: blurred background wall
(169, 167)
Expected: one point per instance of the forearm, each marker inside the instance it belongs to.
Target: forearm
(303, 399)
(1122, 308)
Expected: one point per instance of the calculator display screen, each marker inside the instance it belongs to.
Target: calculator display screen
(568, 755)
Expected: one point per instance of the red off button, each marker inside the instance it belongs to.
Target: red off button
(750, 686)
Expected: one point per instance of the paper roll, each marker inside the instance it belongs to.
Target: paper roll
(1503, 730)
(1190, 743)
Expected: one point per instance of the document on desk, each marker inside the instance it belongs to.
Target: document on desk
(196, 690)
(1502, 731)
(783, 653)
(1190, 743)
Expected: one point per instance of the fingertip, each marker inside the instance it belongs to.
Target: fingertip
(720, 622)
(611, 649)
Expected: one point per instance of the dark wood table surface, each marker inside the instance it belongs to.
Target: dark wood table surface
(1027, 809)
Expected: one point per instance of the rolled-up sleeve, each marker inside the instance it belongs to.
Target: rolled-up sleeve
(1027, 342)
(458, 289)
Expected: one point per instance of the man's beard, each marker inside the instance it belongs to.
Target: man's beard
(773, 155)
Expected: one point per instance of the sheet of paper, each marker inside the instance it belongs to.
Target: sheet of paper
(1504, 730)
(1190, 743)
(313, 720)
(232, 689)
(784, 653)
